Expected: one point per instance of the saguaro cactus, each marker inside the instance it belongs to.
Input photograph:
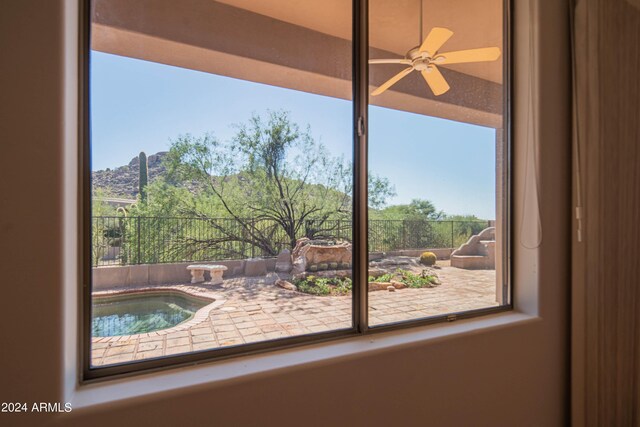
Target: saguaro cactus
(143, 176)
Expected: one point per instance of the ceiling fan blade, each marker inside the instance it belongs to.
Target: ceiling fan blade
(390, 61)
(435, 80)
(386, 85)
(471, 55)
(436, 38)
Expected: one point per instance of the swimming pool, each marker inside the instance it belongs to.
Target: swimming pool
(142, 312)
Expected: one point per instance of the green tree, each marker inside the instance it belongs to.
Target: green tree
(418, 209)
(104, 224)
(271, 178)
(412, 225)
(465, 226)
(99, 205)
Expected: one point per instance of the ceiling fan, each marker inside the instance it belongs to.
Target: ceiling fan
(425, 58)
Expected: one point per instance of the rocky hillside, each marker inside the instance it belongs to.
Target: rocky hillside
(123, 181)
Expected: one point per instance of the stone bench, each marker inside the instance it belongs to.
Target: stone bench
(197, 272)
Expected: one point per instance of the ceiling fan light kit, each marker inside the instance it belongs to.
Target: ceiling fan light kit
(425, 58)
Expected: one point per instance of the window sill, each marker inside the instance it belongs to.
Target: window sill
(223, 371)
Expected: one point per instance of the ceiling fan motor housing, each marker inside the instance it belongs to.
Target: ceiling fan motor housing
(420, 61)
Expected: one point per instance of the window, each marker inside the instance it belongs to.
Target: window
(436, 127)
(243, 198)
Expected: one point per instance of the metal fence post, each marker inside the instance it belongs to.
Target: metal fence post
(244, 242)
(253, 246)
(404, 234)
(452, 234)
(123, 234)
(138, 239)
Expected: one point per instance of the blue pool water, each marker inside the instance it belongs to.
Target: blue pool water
(140, 313)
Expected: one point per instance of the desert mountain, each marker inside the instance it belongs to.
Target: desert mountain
(123, 181)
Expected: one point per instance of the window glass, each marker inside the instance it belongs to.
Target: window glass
(221, 174)
(436, 139)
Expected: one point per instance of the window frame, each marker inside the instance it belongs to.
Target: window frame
(360, 326)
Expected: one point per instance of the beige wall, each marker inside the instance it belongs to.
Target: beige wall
(504, 370)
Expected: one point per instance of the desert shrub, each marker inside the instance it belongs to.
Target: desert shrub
(316, 287)
(324, 286)
(344, 286)
(428, 258)
(423, 280)
(384, 278)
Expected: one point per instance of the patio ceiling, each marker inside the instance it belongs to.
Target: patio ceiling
(305, 45)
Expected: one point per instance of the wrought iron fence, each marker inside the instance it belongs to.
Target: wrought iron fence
(120, 240)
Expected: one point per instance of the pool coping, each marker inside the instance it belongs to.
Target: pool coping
(191, 291)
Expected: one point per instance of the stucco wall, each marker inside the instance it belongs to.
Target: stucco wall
(155, 274)
(514, 374)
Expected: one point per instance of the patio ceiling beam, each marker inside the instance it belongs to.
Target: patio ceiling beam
(208, 36)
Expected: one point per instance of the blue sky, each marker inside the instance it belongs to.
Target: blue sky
(141, 106)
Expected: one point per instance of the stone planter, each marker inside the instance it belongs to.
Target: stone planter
(321, 255)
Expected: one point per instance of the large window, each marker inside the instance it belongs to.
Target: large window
(245, 194)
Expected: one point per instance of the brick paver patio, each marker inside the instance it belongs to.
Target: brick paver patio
(256, 310)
